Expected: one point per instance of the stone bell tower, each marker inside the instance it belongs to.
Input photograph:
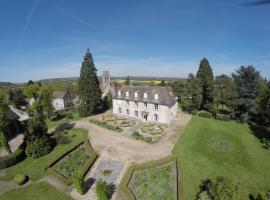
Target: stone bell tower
(106, 78)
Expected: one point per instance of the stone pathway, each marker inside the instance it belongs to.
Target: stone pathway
(128, 132)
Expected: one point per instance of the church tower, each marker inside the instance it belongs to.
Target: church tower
(106, 78)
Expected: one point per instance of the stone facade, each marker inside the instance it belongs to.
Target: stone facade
(153, 104)
(62, 100)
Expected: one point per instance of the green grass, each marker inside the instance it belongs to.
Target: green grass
(39, 191)
(156, 183)
(35, 168)
(210, 148)
(63, 119)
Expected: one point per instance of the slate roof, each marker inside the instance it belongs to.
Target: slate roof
(165, 96)
(11, 116)
(58, 94)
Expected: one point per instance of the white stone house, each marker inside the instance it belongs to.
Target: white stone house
(148, 103)
(62, 100)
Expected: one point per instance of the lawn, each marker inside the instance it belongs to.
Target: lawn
(210, 148)
(156, 183)
(39, 191)
(63, 118)
(35, 168)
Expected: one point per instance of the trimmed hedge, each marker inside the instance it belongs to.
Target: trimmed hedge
(128, 175)
(205, 114)
(88, 164)
(14, 158)
(223, 117)
(20, 179)
(105, 125)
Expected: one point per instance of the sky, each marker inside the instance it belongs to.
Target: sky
(164, 38)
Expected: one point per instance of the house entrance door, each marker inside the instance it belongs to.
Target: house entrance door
(145, 117)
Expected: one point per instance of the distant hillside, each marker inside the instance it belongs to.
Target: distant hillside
(5, 84)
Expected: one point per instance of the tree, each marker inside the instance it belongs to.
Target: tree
(89, 91)
(38, 141)
(3, 122)
(46, 100)
(205, 75)
(30, 82)
(102, 190)
(162, 83)
(31, 91)
(224, 91)
(179, 89)
(222, 188)
(246, 80)
(194, 92)
(127, 81)
(79, 182)
(107, 101)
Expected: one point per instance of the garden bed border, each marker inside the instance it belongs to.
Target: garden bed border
(124, 188)
(83, 170)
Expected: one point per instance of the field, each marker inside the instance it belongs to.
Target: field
(35, 168)
(39, 191)
(210, 148)
(156, 183)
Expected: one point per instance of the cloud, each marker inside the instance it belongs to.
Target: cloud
(77, 18)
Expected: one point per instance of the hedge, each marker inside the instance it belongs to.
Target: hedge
(88, 164)
(14, 158)
(105, 125)
(128, 175)
(205, 114)
(223, 117)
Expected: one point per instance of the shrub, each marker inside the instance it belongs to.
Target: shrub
(105, 125)
(102, 190)
(79, 182)
(194, 112)
(223, 117)
(205, 114)
(12, 159)
(39, 147)
(222, 188)
(137, 136)
(261, 196)
(69, 115)
(20, 179)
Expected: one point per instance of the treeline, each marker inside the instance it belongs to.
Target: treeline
(244, 96)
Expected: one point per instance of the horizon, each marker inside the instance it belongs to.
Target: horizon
(142, 38)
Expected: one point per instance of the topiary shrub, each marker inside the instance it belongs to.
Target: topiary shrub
(102, 190)
(14, 158)
(223, 117)
(205, 114)
(79, 183)
(20, 179)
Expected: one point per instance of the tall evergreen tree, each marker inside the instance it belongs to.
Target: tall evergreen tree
(127, 81)
(194, 92)
(247, 86)
(38, 141)
(89, 91)
(205, 75)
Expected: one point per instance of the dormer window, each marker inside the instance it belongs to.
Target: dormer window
(156, 96)
(119, 93)
(145, 95)
(127, 94)
(136, 94)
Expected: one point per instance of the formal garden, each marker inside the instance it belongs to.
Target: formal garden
(114, 122)
(153, 180)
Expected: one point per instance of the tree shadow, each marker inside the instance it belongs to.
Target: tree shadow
(259, 132)
(58, 135)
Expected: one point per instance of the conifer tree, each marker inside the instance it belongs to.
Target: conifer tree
(206, 78)
(89, 91)
(127, 81)
(38, 140)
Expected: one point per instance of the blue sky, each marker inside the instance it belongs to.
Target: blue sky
(48, 38)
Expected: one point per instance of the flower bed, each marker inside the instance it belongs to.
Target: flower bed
(79, 158)
(106, 125)
(152, 129)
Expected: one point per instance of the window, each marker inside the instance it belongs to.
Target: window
(136, 113)
(127, 102)
(120, 110)
(156, 106)
(136, 103)
(145, 104)
(119, 102)
(127, 111)
(119, 93)
(156, 117)
(136, 94)
(145, 95)
(127, 94)
(156, 96)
